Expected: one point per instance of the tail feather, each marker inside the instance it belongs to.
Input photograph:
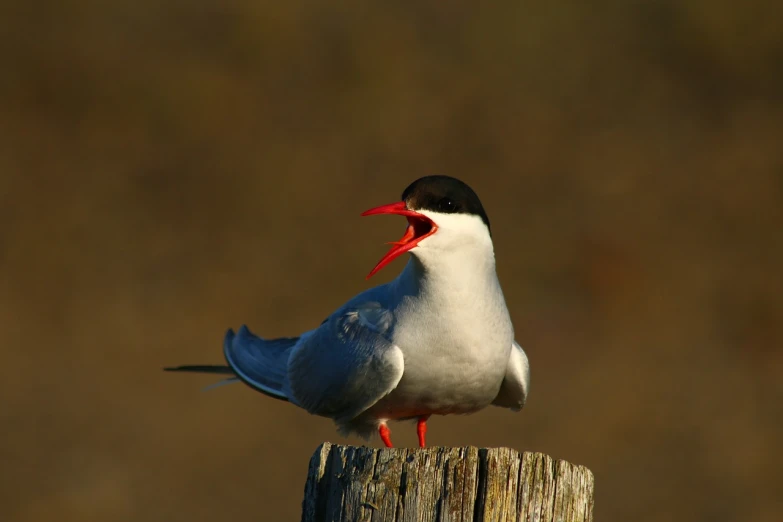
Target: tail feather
(207, 368)
(260, 363)
(201, 368)
(218, 384)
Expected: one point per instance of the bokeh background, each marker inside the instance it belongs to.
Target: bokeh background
(171, 169)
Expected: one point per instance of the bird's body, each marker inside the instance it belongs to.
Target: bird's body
(436, 340)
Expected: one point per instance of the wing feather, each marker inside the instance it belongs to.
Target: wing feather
(346, 365)
(260, 363)
(513, 390)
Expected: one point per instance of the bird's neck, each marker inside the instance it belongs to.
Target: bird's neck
(464, 275)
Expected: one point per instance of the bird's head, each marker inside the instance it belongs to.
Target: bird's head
(444, 216)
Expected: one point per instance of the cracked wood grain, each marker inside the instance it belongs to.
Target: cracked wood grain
(348, 483)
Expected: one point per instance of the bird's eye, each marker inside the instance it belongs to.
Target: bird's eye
(446, 205)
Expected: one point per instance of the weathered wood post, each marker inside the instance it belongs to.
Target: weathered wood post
(348, 483)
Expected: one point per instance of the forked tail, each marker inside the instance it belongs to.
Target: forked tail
(261, 364)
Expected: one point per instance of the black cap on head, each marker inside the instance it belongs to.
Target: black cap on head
(443, 194)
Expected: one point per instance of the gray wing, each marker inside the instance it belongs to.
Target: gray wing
(347, 364)
(513, 390)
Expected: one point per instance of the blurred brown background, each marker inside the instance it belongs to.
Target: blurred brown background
(171, 169)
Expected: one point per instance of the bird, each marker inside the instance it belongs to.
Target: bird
(436, 340)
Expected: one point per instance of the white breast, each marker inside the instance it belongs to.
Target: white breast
(455, 333)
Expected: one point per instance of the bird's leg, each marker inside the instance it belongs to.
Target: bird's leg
(421, 429)
(385, 434)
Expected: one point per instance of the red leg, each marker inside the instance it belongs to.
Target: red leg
(421, 429)
(385, 433)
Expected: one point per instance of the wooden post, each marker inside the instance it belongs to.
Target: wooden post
(347, 483)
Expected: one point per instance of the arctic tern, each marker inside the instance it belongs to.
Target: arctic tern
(436, 340)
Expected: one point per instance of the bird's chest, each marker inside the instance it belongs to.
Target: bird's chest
(455, 356)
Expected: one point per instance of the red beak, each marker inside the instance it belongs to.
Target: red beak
(419, 227)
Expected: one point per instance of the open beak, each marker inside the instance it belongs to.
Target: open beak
(419, 227)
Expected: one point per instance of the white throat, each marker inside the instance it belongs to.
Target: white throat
(461, 248)
(456, 263)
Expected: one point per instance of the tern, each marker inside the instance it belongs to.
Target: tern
(437, 340)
